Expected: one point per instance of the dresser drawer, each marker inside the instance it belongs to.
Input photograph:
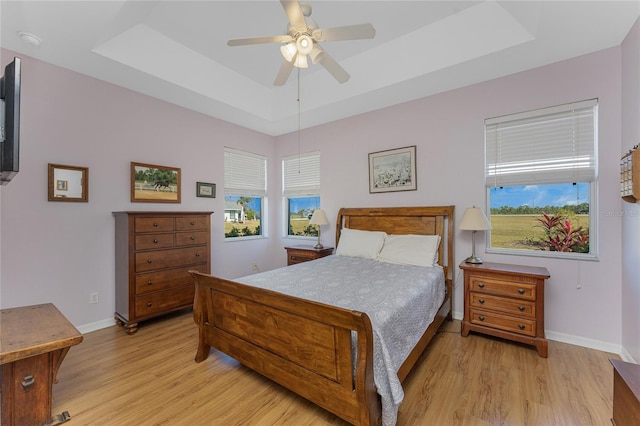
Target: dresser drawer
(153, 224)
(520, 308)
(154, 281)
(192, 238)
(164, 301)
(502, 288)
(165, 259)
(154, 241)
(503, 322)
(191, 222)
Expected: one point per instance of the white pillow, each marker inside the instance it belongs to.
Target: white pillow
(356, 243)
(419, 250)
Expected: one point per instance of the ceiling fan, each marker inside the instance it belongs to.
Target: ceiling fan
(301, 41)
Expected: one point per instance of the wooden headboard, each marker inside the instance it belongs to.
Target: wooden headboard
(405, 220)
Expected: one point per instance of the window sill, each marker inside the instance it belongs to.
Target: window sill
(547, 254)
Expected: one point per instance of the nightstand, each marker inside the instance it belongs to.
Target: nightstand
(505, 301)
(299, 254)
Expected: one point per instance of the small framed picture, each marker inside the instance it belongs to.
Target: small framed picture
(393, 170)
(204, 189)
(62, 185)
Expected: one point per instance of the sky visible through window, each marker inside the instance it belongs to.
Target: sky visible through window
(540, 195)
(306, 203)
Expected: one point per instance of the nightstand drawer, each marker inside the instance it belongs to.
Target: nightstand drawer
(521, 308)
(503, 322)
(502, 288)
(299, 254)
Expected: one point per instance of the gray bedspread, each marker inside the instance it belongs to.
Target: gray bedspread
(400, 300)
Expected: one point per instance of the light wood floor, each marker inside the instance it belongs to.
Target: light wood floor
(150, 378)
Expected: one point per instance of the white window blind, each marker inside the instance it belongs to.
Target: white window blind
(545, 146)
(301, 175)
(244, 173)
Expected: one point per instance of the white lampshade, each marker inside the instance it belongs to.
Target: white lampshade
(319, 217)
(301, 61)
(474, 220)
(288, 50)
(304, 43)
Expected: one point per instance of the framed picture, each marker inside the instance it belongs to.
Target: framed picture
(393, 170)
(204, 189)
(154, 184)
(68, 183)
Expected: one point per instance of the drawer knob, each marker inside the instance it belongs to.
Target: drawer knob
(155, 225)
(155, 241)
(481, 285)
(197, 254)
(149, 304)
(521, 290)
(193, 238)
(149, 260)
(521, 326)
(192, 222)
(293, 258)
(521, 308)
(28, 381)
(481, 317)
(481, 301)
(149, 282)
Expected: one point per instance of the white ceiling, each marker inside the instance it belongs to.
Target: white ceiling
(177, 51)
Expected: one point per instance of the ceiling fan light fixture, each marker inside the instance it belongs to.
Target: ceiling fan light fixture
(288, 51)
(301, 62)
(315, 54)
(304, 43)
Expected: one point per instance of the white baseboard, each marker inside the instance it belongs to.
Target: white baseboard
(577, 340)
(88, 328)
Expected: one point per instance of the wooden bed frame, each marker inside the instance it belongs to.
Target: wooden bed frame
(305, 346)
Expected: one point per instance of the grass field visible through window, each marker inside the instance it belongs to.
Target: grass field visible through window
(523, 231)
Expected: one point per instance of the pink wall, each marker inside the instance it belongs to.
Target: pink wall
(58, 252)
(631, 212)
(448, 130)
(61, 252)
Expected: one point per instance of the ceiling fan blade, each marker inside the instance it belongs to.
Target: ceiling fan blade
(349, 32)
(260, 40)
(294, 13)
(333, 67)
(285, 71)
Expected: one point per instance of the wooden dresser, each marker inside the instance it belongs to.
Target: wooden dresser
(299, 254)
(154, 252)
(505, 301)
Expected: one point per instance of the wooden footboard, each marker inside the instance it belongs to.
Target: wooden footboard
(303, 345)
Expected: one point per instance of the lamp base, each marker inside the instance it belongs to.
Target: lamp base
(473, 259)
(318, 246)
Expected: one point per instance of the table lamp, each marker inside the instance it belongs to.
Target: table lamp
(318, 218)
(474, 220)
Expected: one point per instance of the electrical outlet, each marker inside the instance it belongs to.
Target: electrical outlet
(578, 286)
(93, 298)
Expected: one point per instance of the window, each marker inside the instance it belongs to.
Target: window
(245, 189)
(301, 192)
(541, 173)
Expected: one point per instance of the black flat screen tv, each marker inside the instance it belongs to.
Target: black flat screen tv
(10, 121)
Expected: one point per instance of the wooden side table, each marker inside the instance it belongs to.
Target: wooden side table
(302, 253)
(626, 393)
(35, 339)
(505, 301)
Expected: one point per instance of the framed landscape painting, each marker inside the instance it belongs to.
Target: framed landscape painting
(154, 184)
(393, 170)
